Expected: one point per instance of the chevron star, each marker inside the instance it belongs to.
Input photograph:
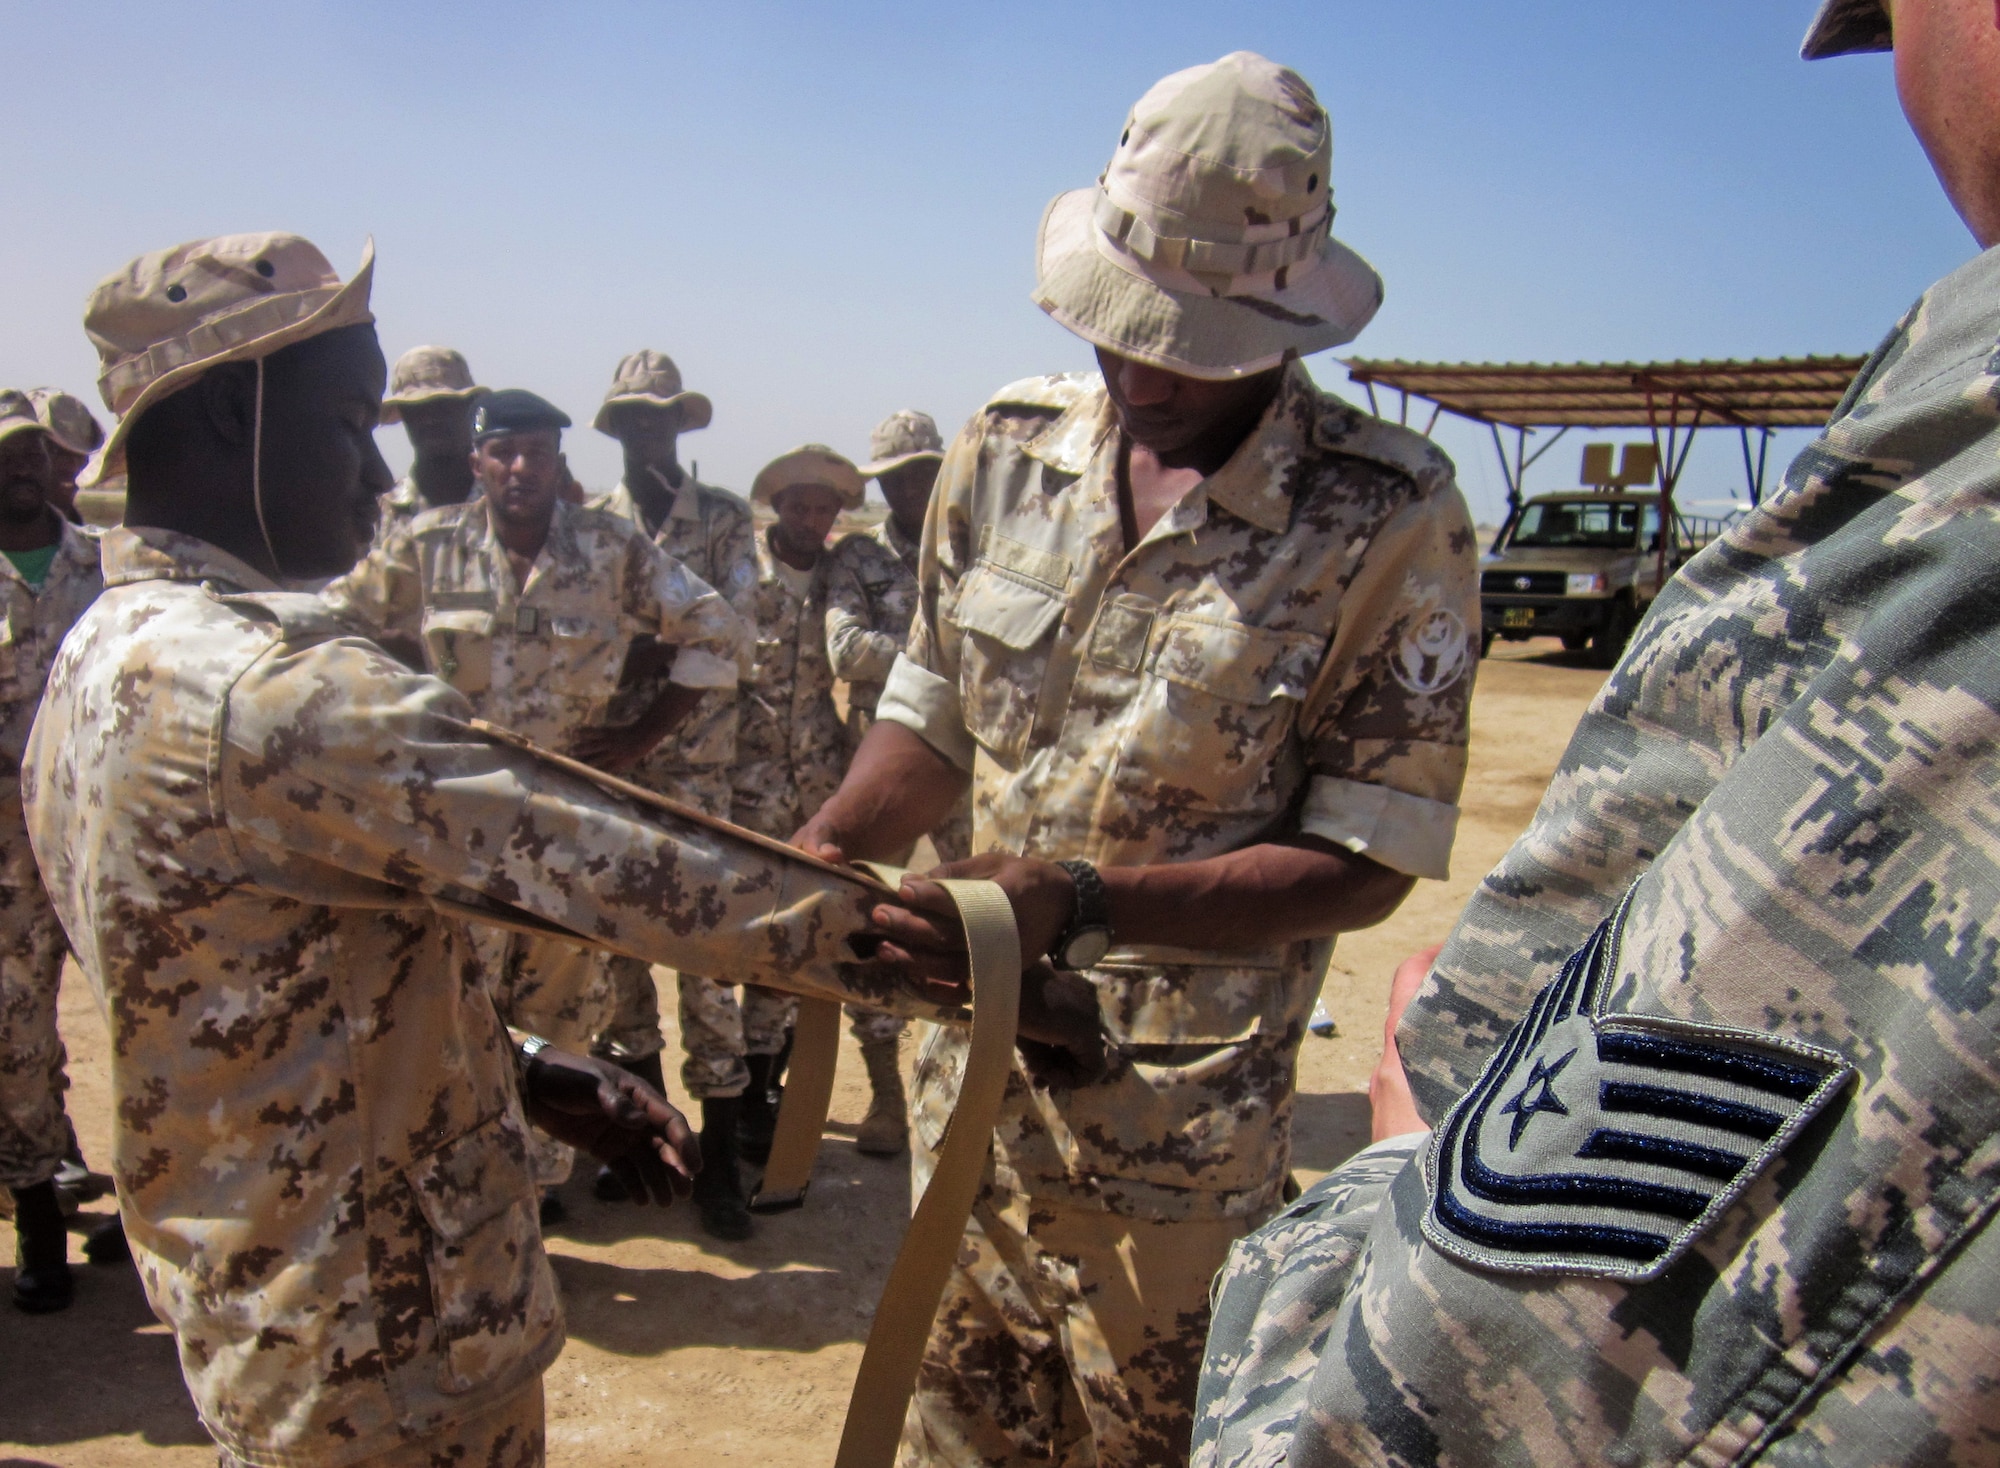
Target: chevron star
(1530, 1101)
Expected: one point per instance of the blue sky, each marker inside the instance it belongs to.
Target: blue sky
(826, 212)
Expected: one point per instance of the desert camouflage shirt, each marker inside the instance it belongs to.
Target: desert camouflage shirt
(790, 745)
(244, 816)
(709, 531)
(1289, 649)
(546, 659)
(37, 620)
(1711, 1053)
(868, 612)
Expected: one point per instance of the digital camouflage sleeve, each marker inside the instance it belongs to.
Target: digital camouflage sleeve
(1711, 1053)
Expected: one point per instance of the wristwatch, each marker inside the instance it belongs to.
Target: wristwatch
(524, 1058)
(1088, 937)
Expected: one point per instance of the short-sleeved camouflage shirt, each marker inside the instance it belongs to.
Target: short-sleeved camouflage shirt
(244, 815)
(548, 658)
(709, 531)
(1289, 649)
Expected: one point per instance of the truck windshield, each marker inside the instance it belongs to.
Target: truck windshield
(1605, 524)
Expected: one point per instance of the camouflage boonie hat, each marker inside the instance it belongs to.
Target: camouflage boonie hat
(902, 438)
(425, 374)
(1844, 27)
(812, 463)
(68, 419)
(651, 377)
(17, 414)
(168, 317)
(1207, 247)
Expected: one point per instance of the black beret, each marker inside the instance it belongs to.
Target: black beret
(515, 410)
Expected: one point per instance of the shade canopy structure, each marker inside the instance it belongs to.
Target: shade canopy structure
(1669, 400)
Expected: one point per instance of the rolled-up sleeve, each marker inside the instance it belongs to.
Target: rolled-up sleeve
(685, 612)
(1387, 722)
(926, 704)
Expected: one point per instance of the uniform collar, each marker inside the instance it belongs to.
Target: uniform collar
(1255, 485)
(686, 504)
(560, 544)
(134, 553)
(904, 547)
(406, 496)
(74, 547)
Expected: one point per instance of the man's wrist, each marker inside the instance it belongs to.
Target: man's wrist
(525, 1056)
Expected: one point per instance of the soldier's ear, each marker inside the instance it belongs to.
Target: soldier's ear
(227, 396)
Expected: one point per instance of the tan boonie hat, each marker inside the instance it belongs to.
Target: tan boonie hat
(902, 438)
(424, 374)
(1843, 27)
(168, 317)
(68, 419)
(812, 463)
(651, 377)
(1206, 247)
(17, 414)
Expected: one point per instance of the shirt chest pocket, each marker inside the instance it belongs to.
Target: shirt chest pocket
(1008, 625)
(458, 643)
(586, 654)
(1217, 713)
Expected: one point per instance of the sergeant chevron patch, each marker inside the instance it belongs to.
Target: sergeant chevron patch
(1605, 1144)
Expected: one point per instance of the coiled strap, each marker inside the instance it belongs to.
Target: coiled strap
(909, 1300)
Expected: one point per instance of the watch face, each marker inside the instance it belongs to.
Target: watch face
(1085, 947)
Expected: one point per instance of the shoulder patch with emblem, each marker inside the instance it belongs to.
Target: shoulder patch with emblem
(1604, 1144)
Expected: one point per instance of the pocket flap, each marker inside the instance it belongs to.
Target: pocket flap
(1235, 662)
(471, 621)
(1009, 611)
(474, 1177)
(1215, 1002)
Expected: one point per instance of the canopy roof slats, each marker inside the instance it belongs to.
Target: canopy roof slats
(1780, 392)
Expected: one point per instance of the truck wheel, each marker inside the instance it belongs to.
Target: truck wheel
(1485, 642)
(1575, 641)
(1614, 634)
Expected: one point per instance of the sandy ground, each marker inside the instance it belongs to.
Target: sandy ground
(683, 1351)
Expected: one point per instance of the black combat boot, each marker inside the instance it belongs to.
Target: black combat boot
(608, 1186)
(106, 1244)
(718, 1187)
(760, 1108)
(42, 1281)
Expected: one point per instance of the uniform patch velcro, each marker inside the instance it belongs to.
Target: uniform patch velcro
(1605, 1144)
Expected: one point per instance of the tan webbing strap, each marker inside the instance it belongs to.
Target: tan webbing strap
(802, 1113)
(909, 1300)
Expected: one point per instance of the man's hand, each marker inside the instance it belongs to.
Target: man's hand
(1059, 1033)
(925, 936)
(1395, 1109)
(617, 1118)
(613, 749)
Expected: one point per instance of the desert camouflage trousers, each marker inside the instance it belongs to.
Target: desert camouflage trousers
(1067, 1336)
(34, 1132)
(509, 1434)
(717, 1032)
(560, 991)
(1275, 1301)
(633, 1030)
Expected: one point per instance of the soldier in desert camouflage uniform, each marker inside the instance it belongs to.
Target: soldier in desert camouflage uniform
(74, 434)
(868, 618)
(1201, 638)
(709, 531)
(790, 749)
(48, 576)
(1710, 1054)
(432, 394)
(535, 610)
(259, 829)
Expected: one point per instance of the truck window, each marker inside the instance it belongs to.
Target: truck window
(1649, 538)
(1596, 524)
